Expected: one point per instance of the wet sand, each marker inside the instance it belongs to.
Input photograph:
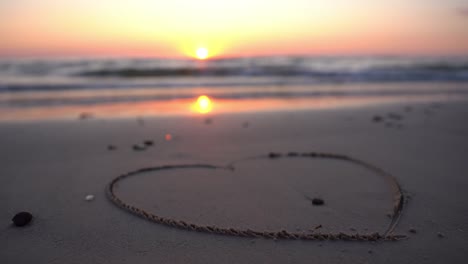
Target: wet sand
(49, 169)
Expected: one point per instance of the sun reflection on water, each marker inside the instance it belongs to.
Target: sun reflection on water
(203, 105)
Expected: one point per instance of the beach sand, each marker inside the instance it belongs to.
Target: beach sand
(48, 168)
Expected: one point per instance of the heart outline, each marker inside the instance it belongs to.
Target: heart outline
(399, 200)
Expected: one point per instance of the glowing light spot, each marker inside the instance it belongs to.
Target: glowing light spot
(168, 137)
(203, 105)
(202, 53)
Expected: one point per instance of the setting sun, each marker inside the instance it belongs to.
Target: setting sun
(202, 53)
(203, 105)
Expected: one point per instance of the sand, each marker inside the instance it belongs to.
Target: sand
(49, 168)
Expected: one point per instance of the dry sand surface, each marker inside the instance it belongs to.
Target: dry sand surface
(49, 168)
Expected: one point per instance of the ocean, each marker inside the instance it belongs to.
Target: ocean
(62, 88)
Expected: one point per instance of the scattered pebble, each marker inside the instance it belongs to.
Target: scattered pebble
(428, 112)
(148, 142)
(370, 251)
(377, 119)
(318, 201)
(318, 227)
(208, 121)
(85, 115)
(111, 147)
(138, 148)
(245, 124)
(89, 197)
(412, 230)
(395, 116)
(274, 155)
(22, 218)
(293, 154)
(440, 235)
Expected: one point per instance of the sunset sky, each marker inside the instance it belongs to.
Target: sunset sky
(177, 28)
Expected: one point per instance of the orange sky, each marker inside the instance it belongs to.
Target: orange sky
(177, 28)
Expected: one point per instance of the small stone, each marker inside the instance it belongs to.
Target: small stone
(318, 227)
(395, 116)
(208, 121)
(377, 119)
(245, 124)
(138, 148)
(148, 142)
(370, 251)
(318, 201)
(408, 109)
(273, 155)
(89, 197)
(440, 235)
(412, 230)
(85, 115)
(111, 147)
(22, 219)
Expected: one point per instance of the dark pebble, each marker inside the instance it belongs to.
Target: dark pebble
(111, 147)
(138, 148)
(85, 115)
(408, 109)
(148, 142)
(273, 155)
(395, 116)
(440, 235)
(318, 201)
(245, 124)
(22, 218)
(377, 119)
(208, 121)
(412, 230)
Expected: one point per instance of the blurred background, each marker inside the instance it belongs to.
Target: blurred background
(113, 59)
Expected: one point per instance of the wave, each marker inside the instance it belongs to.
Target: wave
(68, 74)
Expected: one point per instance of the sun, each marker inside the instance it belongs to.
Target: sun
(202, 53)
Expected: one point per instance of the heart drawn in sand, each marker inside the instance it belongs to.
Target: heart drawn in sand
(398, 199)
